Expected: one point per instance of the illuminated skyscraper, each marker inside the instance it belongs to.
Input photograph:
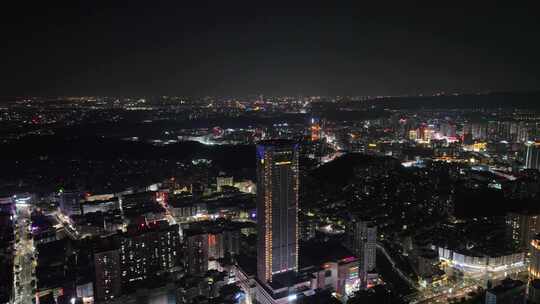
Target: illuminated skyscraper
(277, 208)
(532, 158)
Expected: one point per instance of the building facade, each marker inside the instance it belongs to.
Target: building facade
(204, 249)
(532, 157)
(224, 181)
(148, 250)
(277, 208)
(363, 243)
(534, 263)
(522, 228)
(108, 282)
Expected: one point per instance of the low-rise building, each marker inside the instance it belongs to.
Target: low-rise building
(508, 292)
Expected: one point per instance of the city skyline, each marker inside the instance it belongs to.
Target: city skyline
(269, 199)
(242, 152)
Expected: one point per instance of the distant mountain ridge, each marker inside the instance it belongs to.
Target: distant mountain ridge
(523, 100)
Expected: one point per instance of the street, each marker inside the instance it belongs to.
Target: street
(24, 257)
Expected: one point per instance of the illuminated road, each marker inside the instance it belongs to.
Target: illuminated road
(450, 291)
(168, 215)
(68, 228)
(24, 257)
(457, 290)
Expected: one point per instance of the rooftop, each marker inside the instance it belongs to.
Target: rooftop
(150, 227)
(506, 285)
(276, 142)
(311, 255)
(288, 279)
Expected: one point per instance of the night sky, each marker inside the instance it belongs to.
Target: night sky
(266, 47)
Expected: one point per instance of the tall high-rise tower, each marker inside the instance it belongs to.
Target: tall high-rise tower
(363, 243)
(277, 208)
(532, 157)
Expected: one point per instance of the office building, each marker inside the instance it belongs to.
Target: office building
(524, 132)
(504, 130)
(493, 129)
(514, 131)
(532, 156)
(278, 279)
(277, 208)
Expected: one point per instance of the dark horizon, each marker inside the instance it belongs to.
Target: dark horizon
(257, 95)
(100, 49)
